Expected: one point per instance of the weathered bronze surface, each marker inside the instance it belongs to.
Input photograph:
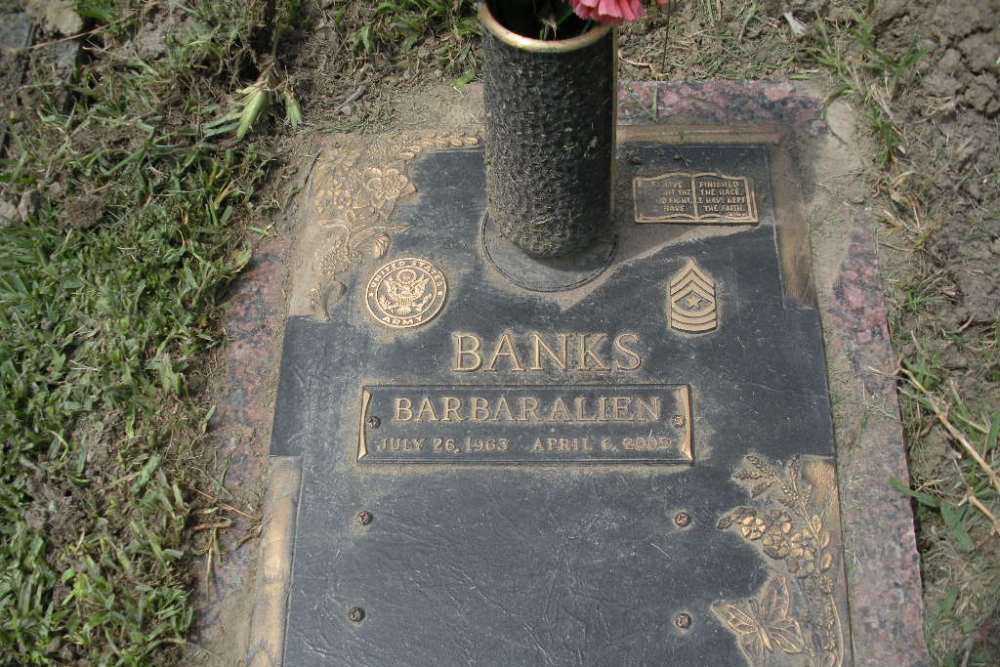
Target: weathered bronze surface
(551, 274)
(703, 198)
(635, 471)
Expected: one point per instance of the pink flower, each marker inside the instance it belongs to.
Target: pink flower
(611, 11)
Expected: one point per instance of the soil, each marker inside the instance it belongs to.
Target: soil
(951, 123)
(954, 125)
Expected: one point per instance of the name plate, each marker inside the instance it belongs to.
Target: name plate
(701, 198)
(526, 424)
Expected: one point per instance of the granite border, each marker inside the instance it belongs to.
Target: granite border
(885, 595)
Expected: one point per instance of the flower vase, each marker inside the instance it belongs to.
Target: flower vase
(550, 135)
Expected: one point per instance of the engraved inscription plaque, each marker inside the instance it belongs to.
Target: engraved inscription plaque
(526, 424)
(704, 198)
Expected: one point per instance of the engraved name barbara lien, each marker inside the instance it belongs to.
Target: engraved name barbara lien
(562, 409)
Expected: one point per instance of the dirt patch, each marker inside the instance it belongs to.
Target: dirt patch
(942, 257)
(962, 40)
(358, 58)
(57, 16)
(949, 184)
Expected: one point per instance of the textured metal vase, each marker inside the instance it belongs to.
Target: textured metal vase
(550, 115)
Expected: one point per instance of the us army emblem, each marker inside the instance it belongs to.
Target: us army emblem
(406, 293)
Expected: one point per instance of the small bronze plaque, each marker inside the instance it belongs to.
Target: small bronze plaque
(525, 424)
(695, 198)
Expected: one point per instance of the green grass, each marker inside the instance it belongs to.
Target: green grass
(395, 29)
(104, 311)
(957, 513)
(708, 40)
(868, 76)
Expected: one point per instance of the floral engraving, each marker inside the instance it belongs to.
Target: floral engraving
(792, 520)
(354, 195)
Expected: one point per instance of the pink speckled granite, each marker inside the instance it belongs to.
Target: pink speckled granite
(883, 568)
(785, 103)
(254, 321)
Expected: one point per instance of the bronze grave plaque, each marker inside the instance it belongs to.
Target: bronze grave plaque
(635, 469)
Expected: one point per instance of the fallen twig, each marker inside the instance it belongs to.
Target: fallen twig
(975, 502)
(225, 523)
(634, 63)
(222, 504)
(359, 91)
(79, 34)
(942, 416)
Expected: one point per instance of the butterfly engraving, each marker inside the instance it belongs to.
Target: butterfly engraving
(763, 625)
